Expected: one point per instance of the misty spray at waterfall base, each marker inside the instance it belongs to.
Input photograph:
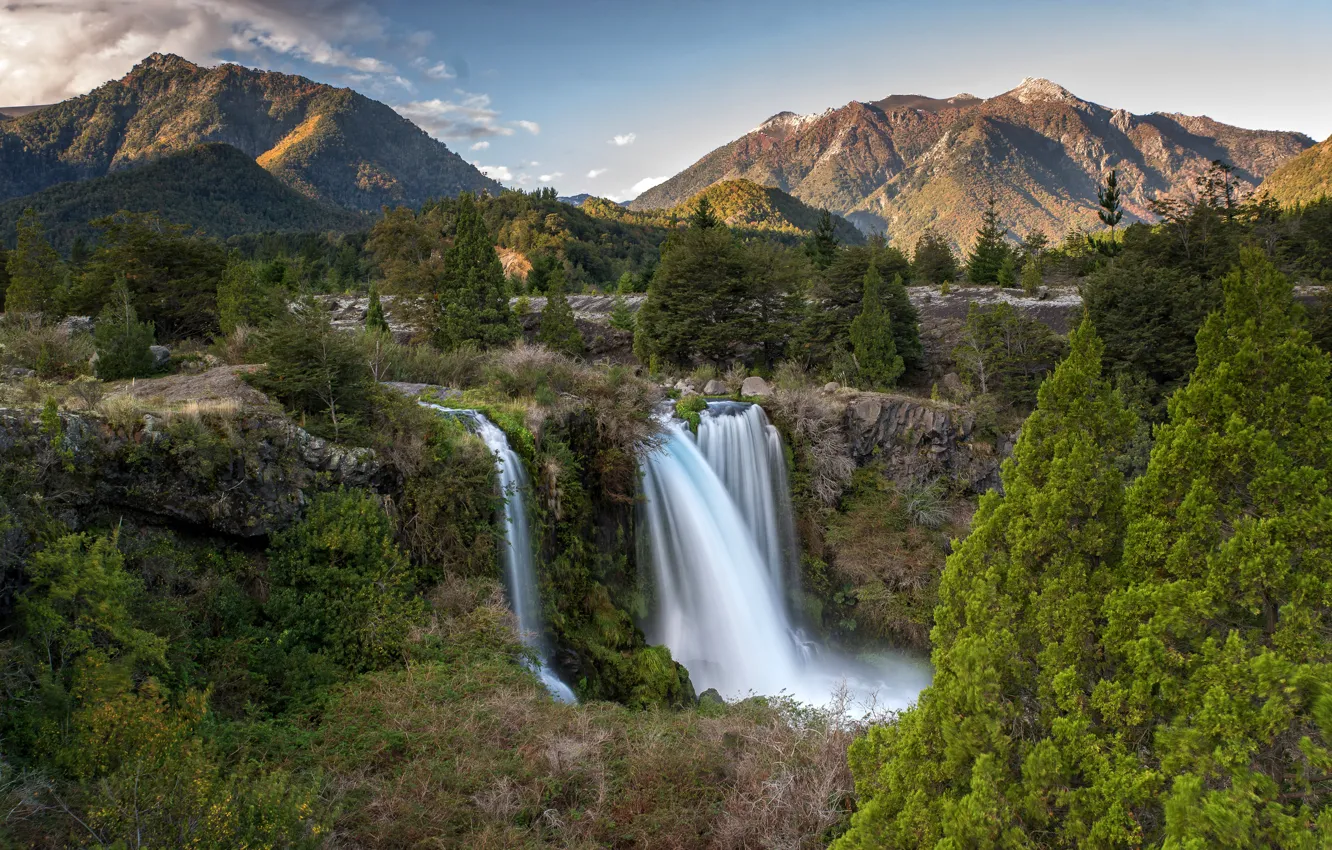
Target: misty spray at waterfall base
(718, 534)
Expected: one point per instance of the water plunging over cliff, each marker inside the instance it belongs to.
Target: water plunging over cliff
(519, 556)
(715, 526)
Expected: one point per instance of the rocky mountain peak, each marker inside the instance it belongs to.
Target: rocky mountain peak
(162, 62)
(1039, 89)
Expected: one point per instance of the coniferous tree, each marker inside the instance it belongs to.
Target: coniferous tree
(621, 317)
(983, 759)
(375, 320)
(990, 249)
(696, 303)
(822, 243)
(473, 302)
(1111, 213)
(1219, 630)
(123, 343)
(558, 331)
(250, 294)
(1031, 277)
(933, 261)
(1007, 273)
(703, 218)
(877, 361)
(36, 275)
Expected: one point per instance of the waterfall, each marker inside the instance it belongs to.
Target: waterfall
(745, 450)
(519, 555)
(717, 529)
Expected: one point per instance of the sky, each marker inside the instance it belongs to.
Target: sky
(610, 97)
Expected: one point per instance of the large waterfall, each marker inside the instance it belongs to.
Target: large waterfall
(718, 531)
(519, 555)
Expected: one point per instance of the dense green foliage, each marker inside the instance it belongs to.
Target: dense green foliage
(933, 260)
(121, 341)
(472, 298)
(1144, 667)
(36, 277)
(557, 329)
(871, 332)
(214, 189)
(1006, 352)
(991, 255)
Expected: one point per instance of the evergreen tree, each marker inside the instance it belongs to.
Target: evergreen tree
(36, 275)
(838, 293)
(703, 218)
(375, 321)
(1007, 272)
(250, 294)
(1111, 213)
(1219, 631)
(697, 301)
(1032, 277)
(990, 250)
(621, 317)
(933, 261)
(558, 331)
(121, 341)
(773, 282)
(473, 302)
(877, 361)
(986, 757)
(821, 246)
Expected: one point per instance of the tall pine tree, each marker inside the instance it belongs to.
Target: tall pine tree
(472, 295)
(980, 761)
(877, 361)
(991, 249)
(558, 330)
(36, 274)
(375, 321)
(822, 243)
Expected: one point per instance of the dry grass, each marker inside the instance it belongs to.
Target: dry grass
(814, 422)
(471, 752)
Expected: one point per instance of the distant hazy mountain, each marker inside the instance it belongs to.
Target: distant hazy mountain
(745, 205)
(1306, 178)
(214, 188)
(329, 144)
(907, 162)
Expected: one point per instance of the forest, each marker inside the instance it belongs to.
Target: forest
(252, 591)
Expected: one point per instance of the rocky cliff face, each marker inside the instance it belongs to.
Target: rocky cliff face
(244, 477)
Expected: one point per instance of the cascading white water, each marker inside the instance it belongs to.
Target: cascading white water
(745, 450)
(519, 555)
(719, 564)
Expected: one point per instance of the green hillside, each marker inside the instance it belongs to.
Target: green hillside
(1304, 179)
(214, 188)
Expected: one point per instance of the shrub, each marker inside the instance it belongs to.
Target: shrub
(341, 586)
(48, 350)
(122, 341)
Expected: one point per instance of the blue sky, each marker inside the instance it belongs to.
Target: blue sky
(605, 97)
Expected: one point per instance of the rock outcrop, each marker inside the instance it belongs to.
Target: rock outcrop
(918, 438)
(244, 477)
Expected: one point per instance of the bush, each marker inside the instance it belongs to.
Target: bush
(340, 584)
(48, 350)
(122, 341)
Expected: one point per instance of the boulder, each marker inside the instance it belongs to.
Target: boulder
(715, 387)
(686, 386)
(76, 325)
(831, 387)
(755, 386)
(161, 356)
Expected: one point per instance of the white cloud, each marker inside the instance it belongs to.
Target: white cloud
(470, 118)
(530, 126)
(546, 178)
(597, 172)
(647, 183)
(54, 49)
(496, 172)
(480, 146)
(435, 71)
(621, 141)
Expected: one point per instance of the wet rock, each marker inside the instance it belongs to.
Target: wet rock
(715, 387)
(755, 386)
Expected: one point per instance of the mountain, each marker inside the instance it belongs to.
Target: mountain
(909, 162)
(214, 188)
(1304, 179)
(329, 144)
(741, 204)
(580, 199)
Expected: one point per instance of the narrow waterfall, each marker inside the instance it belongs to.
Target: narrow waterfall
(716, 527)
(519, 554)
